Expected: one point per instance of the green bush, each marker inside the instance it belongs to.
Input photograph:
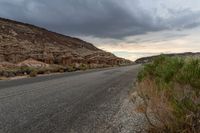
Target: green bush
(179, 81)
(190, 74)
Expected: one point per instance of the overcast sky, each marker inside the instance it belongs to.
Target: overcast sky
(128, 28)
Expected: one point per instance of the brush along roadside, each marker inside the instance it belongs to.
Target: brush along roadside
(170, 91)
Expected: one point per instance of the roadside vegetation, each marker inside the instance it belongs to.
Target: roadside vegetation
(25, 70)
(13, 71)
(170, 91)
(33, 72)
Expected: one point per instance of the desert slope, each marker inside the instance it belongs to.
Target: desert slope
(20, 41)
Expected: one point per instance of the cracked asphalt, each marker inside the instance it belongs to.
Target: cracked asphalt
(77, 102)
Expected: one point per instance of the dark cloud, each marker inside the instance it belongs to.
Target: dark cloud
(156, 38)
(99, 18)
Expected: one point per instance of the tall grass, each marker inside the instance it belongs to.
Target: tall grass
(170, 89)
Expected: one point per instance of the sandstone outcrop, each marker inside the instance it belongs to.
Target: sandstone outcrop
(19, 42)
(32, 63)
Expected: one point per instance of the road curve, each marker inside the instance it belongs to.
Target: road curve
(79, 102)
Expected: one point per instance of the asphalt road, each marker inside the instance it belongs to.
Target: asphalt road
(78, 102)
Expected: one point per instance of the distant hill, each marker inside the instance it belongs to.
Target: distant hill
(20, 42)
(150, 58)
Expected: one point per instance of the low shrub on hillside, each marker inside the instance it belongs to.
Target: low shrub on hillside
(16, 71)
(170, 89)
(33, 74)
(83, 67)
(71, 68)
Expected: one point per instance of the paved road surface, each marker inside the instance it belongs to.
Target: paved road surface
(79, 102)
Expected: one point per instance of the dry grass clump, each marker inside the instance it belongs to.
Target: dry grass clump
(33, 74)
(170, 89)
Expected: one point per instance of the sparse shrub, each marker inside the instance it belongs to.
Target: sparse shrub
(71, 68)
(7, 73)
(33, 73)
(170, 89)
(42, 71)
(26, 70)
(83, 67)
(56, 68)
(61, 70)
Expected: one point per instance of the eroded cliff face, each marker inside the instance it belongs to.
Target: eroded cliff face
(19, 42)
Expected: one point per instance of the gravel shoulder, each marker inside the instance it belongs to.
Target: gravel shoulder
(127, 119)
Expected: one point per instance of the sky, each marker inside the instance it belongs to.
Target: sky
(128, 28)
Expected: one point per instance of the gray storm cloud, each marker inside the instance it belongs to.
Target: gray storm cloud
(100, 18)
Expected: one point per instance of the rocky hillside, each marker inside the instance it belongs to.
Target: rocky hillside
(20, 42)
(149, 59)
